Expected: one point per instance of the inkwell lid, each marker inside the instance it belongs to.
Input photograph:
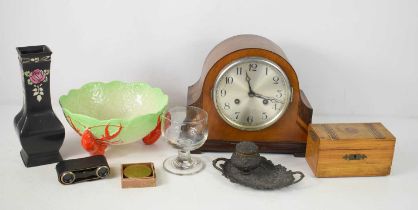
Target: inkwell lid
(246, 148)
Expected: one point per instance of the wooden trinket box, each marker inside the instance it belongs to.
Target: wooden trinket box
(349, 149)
(137, 182)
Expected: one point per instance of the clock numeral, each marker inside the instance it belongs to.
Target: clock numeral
(223, 93)
(264, 116)
(252, 67)
(250, 119)
(227, 106)
(276, 80)
(239, 70)
(237, 115)
(267, 69)
(229, 80)
(280, 94)
(276, 107)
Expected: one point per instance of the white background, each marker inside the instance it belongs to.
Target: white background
(353, 58)
(356, 57)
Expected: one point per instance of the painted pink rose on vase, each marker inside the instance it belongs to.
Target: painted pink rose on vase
(35, 79)
(37, 76)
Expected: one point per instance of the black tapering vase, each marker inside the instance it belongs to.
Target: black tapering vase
(40, 131)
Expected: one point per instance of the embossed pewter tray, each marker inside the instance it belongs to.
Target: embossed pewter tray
(266, 176)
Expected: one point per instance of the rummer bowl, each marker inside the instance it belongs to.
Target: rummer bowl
(114, 113)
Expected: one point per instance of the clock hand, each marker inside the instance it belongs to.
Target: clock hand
(272, 99)
(251, 92)
(261, 96)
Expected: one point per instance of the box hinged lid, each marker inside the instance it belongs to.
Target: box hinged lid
(351, 136)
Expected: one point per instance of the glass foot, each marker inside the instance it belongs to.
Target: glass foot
(176, 165)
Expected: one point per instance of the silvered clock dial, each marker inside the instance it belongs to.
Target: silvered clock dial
(251, 93)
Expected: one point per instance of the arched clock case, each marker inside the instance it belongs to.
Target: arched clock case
(286, 131)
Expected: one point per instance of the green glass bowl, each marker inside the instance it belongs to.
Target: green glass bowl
(115, 112)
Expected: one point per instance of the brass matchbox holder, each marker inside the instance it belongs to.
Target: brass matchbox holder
(147, 181)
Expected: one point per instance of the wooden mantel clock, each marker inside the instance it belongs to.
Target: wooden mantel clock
(251, 93)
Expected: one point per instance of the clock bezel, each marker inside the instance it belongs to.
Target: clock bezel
(279, 115)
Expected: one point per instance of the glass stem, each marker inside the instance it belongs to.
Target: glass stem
(184, 155)
(184, 160)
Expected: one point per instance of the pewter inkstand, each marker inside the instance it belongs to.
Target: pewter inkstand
(248, 168)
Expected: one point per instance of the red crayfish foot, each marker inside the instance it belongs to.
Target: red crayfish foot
(91, 145)
(154, 135)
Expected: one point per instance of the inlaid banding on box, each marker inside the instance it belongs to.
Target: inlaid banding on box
(331, 132)
(374, 131)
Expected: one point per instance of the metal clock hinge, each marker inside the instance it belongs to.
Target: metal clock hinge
(291, 94)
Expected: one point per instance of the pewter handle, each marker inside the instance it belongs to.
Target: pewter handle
(214, 162)
(300, 174)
